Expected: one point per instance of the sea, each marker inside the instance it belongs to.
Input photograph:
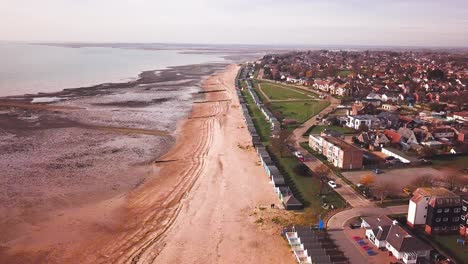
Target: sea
(34, 68)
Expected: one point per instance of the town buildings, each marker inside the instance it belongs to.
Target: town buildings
(436, 209)
(338, 152)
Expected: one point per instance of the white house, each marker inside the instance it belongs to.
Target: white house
(385, 233)
(359, 120)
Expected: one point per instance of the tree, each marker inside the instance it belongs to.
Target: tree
(281, 143)
(322, 172)
(367, 180)
(384, 189)
(454, 180)
(422, 181)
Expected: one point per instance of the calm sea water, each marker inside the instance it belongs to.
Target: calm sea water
(26, 68)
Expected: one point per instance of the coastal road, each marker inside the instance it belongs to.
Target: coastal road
(349, 194)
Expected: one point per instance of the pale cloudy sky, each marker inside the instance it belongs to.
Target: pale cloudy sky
(319, 22)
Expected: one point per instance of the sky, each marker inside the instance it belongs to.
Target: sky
(285, 22)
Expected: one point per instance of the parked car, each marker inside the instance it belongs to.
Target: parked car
(377, 171)
(354, 225)
(299, 155)
(332, 184)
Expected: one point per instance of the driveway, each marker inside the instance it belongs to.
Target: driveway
(341, 219)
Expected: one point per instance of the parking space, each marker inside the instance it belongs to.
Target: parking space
(400, 178)
(370, 252)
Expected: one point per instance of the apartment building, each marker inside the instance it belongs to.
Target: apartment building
(437, 209)
(337, 151)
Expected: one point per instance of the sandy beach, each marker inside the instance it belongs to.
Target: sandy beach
(195, 205)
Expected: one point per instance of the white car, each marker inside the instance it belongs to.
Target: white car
(332, 184)
(298, 154)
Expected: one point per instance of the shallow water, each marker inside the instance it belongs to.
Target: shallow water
(27, 68)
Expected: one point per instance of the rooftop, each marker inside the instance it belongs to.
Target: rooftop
(341, 144)
(435, 191)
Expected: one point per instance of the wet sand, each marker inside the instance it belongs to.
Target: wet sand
(194, 204)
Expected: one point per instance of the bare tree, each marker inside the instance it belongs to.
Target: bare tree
(322, 172)
(422, 181)
(384, 189)
(280, 143)
(454, 180)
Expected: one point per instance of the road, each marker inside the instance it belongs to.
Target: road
(336, 225)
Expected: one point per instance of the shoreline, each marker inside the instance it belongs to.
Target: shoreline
(30, 248)
(202, 195)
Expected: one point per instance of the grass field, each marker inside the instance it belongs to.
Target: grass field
(309, 187)
(282, 92)
(449, 244)
(300, 111)
(344, 73)
(454, 162)
(319, 129)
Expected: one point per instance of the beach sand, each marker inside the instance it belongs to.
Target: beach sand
(196, 204)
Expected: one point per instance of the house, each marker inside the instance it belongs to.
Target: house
(393, 136)
(362, 109)
(337, 151)
(405, 246)
(385, 233)
(463, 135)
(435, 208)
(359, 121)
(461, 116)
(380, 141)
(443, 132)
(389, 107)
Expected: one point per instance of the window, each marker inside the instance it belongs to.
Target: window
(464, 208)
(437, 220)
(445, 219)
(436, 228)
(456, 210)
(444, 228)
(424, 216)
(456, 219)
(439, 211)
(427, 199)
(462, 217)
(446, 210)
(425, 208)
(454, 227)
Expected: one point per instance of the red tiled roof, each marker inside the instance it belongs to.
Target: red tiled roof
(392, 135)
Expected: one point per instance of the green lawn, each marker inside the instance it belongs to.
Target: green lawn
(309, 187)
(454, 162)
(300, 111)
(261, 124)
(449, 244)
(319, 129)
(282, 92)
(344, 73)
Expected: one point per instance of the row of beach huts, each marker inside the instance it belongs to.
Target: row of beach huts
(276, 177)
